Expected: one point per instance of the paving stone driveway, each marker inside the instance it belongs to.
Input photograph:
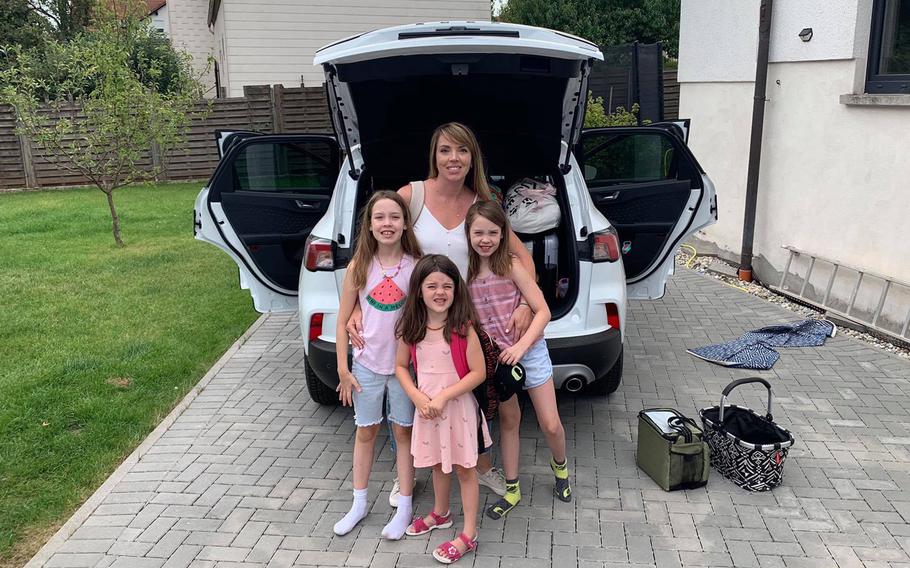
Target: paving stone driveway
(253, 473)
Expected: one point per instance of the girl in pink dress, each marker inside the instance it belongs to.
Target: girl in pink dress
(436, 335)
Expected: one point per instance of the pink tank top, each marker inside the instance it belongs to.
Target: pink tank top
(381, 301)
(495, 299)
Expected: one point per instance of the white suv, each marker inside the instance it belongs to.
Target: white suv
(284, 206)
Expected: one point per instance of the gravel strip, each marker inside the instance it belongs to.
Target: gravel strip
(711, 265)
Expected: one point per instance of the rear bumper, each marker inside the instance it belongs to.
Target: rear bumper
(321, 358)
(589, 357)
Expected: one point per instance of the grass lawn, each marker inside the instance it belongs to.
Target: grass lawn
(97, 344)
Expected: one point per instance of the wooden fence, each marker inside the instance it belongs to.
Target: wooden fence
(671, 95)
(262, 108)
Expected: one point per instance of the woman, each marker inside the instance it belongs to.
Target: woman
(457, 179)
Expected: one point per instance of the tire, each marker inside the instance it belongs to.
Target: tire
(608, 383)
(319, 392)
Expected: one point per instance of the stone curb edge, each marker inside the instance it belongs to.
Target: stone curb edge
(92, 503)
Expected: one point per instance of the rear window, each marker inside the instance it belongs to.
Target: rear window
(285, 167)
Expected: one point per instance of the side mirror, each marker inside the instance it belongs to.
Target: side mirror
(590, 172)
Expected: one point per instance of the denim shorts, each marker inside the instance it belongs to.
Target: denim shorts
(538, 368)
(369, 402)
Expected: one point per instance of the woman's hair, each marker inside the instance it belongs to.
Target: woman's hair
(462, 135)
(412, 326)
(501, 259)
(367, 245)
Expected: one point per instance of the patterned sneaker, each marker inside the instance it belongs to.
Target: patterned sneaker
(396, 492)
(494, 480)
(563, 490)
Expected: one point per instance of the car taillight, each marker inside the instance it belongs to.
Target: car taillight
(612, 316)
(605, 246)
(317, 254)
(315, 326)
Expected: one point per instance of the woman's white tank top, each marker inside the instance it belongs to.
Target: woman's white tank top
(434, 238)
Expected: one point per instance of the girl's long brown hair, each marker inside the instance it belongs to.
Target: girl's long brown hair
(412, 326)
(461, 134)
(501, 259)
(367, 245)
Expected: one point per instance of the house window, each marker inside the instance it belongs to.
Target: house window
(889, 48)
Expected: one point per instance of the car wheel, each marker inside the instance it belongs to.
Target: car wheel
(319, 392)
(609, 382)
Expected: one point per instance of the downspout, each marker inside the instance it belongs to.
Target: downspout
(758, 120)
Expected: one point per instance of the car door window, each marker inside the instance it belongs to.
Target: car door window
(285, 167)
(612, 158)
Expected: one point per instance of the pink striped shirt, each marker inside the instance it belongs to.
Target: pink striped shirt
(495, 299)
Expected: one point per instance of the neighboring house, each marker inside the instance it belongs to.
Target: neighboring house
(835, 171)
(158, 15)
(184, 22)
(265, 43)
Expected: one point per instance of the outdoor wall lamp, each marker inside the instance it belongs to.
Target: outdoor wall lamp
(806, 34)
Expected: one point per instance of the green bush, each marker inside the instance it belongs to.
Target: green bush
(597, 117)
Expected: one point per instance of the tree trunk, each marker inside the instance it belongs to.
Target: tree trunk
(114, 217)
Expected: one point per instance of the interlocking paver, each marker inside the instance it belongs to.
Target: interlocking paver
(253, 473)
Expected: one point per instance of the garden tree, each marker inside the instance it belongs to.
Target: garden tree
(107, 117)
(605, 22)
(68, 17)
(19, 25)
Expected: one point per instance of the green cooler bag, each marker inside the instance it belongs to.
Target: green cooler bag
(671, 449)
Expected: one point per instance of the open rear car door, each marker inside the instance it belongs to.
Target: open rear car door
(647, 183)
(266, 195)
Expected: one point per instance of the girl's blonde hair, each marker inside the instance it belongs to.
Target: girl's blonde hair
(462, 135)
(367, 245)
(501, 259)
(412, 326)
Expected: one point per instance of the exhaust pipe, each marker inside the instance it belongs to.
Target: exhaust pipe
(574, 384)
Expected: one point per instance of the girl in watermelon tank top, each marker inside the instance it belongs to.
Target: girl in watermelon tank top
(378, 277)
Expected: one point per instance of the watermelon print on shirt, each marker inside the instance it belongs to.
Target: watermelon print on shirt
(386, 296)
(381, 300)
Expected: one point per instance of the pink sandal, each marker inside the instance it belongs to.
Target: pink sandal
(419, 526)
(448, 553)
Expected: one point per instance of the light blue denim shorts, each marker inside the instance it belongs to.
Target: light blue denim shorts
(368, 403)
(537, 364)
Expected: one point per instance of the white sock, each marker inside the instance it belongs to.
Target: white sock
(355, 515)
(400, 521)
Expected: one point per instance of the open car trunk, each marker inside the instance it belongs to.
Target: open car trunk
(513, 103)
(520, 89)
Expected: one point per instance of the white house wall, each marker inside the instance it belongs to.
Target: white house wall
(189, 31)
(160, 21)
(274, 42)
(834, 178)
(220, 44)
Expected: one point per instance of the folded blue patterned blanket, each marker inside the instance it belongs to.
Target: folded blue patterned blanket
(755, 349)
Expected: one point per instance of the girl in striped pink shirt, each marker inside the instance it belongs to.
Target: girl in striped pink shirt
(498, 284)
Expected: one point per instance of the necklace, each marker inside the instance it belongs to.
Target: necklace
(437, 328)
(383, 269)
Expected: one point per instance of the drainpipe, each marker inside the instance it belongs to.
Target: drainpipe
(758, 119)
